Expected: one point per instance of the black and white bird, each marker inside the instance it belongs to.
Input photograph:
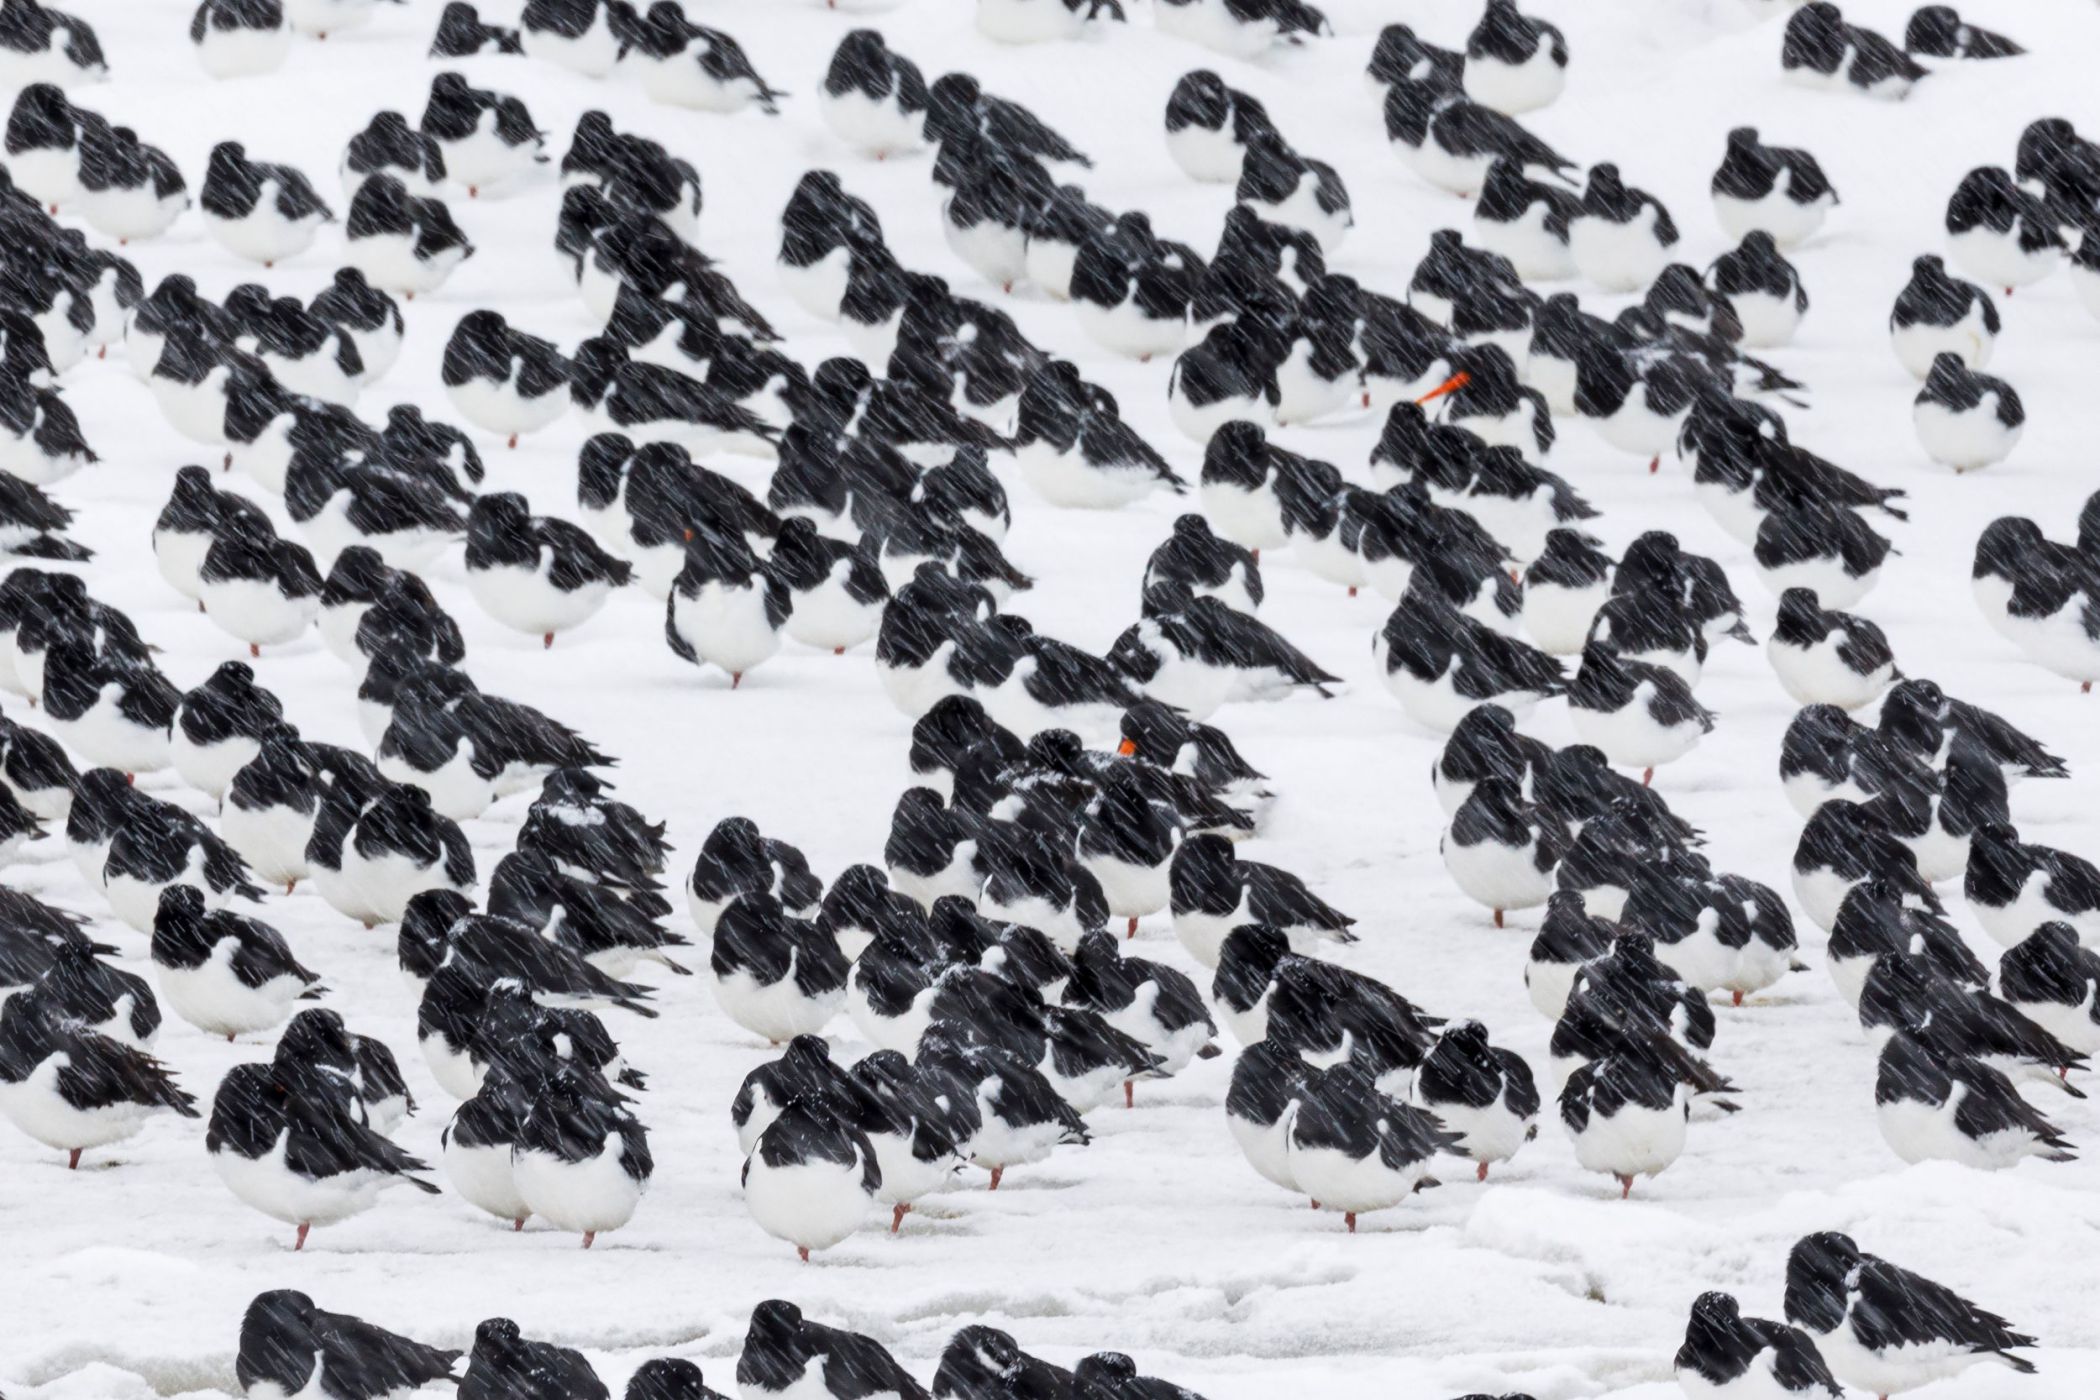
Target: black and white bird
(488, 139)
(1825, 657)
(581, 1161)
(1965, 419)
(812, 1177)
(378, 855)
(1939, 31)
(1480, 1091)
(402, 242)
(1639, 714)
(1212, 892)
(1763, 288)
(2016, 887)
(1500, 850)
(260, 590)
(776, 975)
(221, 725)
(1936, 313)
(1623, 236)
(689, 65)
(111, 712)
(786, 1354)
(1440, 663)
(259, 211)
(1157, 1005)
(1283, 187)
(1999, 232)
(1563, 587)
(2041, 595)
(505, 1365)
(1726, 1354)
(1779, 191)
(579, 35)
(536, 574)
(502, 380)
(1932, 1106)
(290, 1347)
(1830, 550)
(727, 608)
(71, 1088)
(736, 860)
(224, 973)
(1209, 126)
(390, 146)
(1452, 141)
(873, 99)
(2051, 977)
(1885, 1329)
(128, 189)
(1526, 221)
(1821, 50)
(1626, 1111)
(291, 1141)
(1353, 1148)
(1514, 63)
(1846, 844)
(1243, 30)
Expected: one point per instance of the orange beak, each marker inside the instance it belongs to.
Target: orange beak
(1126, 748)
(1450, 386)
(688, 536)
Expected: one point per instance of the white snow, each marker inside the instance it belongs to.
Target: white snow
(127, 1278)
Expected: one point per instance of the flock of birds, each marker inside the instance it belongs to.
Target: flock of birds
(1059, 797)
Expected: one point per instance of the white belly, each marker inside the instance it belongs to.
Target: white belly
(1212, 157)
(997, 253)
(1511, 88)
(1027, 21)
(1538, 253)
(389, 262)
(1635, 1141)
(1631, 738)
(258, 612)
(1558, 619)
(821, 286)
(778, 1012)
(1997, 260)
(271, 839)
(1617, 257)
(871, 127)
(1496, 876)
(829, 618)
(1778, 214)
(1767, 320)
(1917, 346)
(376, 890)
(273, 1188)
(1963, 440)
(812, 1205)
(35, 1107)
(588, 1196)
(591, 53)
(1340, 1182)
(127, 214)
(263, 235)
(215, 1001)
(726, 626)
(209, 768)
(238, 53)
(524, 600)
(107, 739)
(482, 1177)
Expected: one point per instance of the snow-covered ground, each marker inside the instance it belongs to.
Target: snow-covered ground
(128, 1278)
